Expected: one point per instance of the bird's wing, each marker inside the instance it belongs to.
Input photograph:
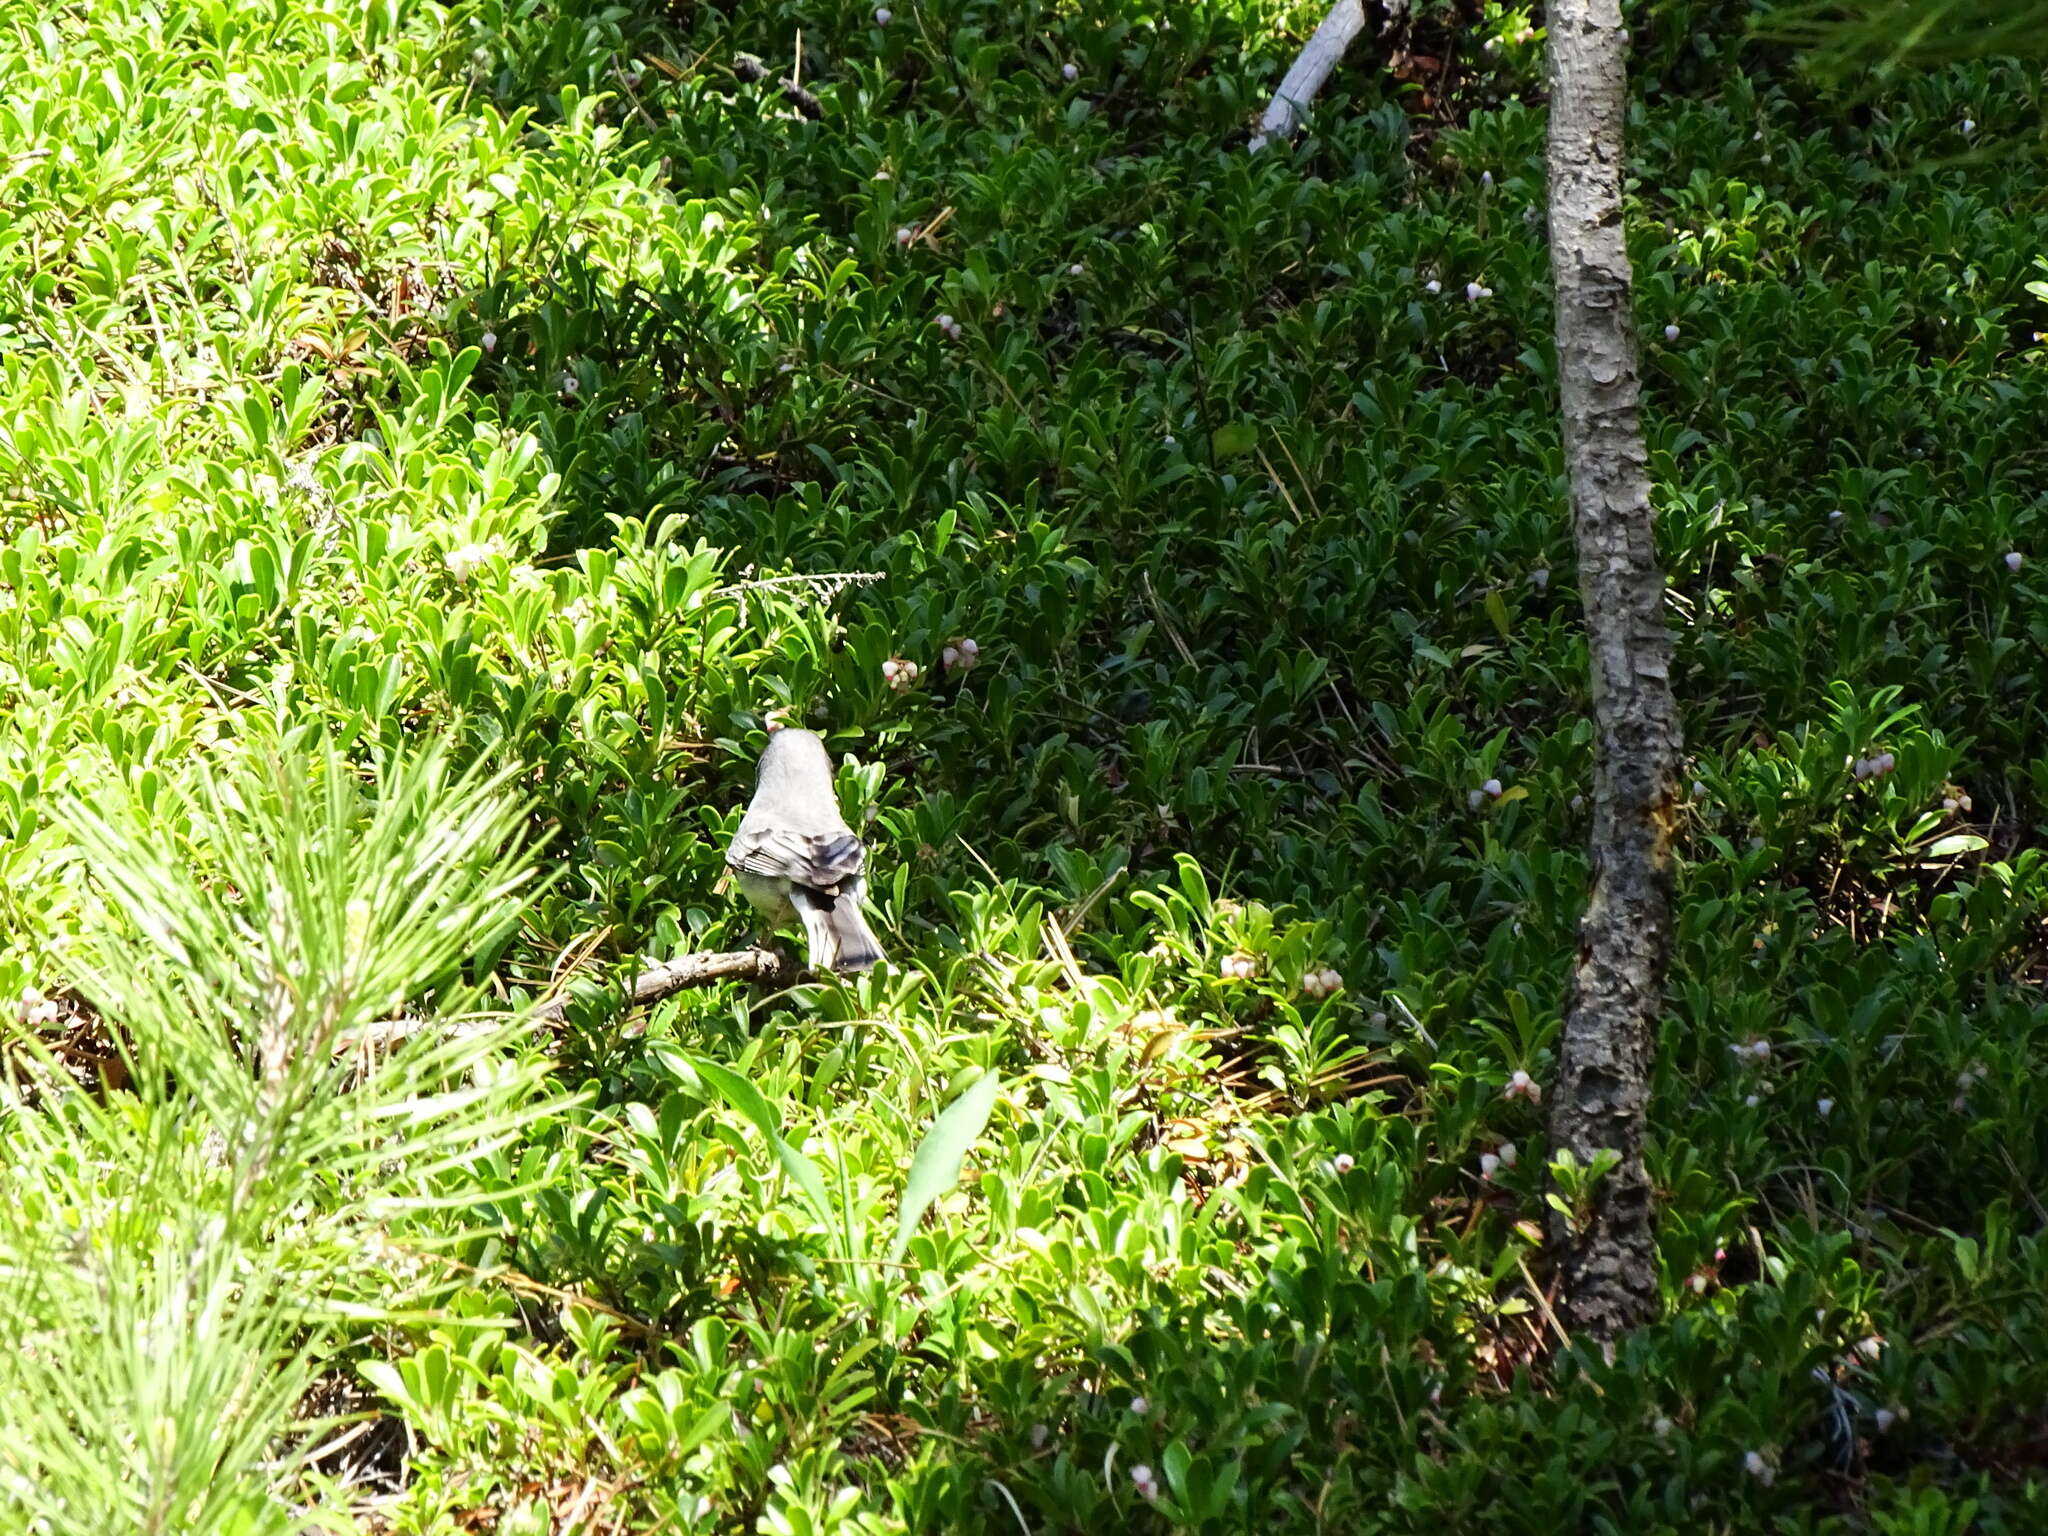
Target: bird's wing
(820, 859)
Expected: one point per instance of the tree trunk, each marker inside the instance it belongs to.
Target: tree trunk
(1600, 1096)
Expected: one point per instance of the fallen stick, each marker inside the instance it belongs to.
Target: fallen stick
(684, 972)
(650, 986)
(1305, 77)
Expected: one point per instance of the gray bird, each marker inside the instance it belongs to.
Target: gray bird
(795, 856)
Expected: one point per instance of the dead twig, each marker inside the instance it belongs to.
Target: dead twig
(649, 987)
(685, 972)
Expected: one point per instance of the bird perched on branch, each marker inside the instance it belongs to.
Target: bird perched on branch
(795, 856)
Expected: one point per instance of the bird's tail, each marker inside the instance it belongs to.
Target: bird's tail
(838, 932)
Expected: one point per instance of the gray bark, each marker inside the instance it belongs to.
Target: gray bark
(1600, 1095)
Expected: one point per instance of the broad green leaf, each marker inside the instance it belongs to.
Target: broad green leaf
(936, 1167)
(1229, 441)
(746, 1098)
(1961, 842)
(1497, 610)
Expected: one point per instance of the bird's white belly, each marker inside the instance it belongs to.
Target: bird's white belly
(769, 896)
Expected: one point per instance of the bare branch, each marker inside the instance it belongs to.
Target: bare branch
(650, 986)
(687, 971)
(1305, 77)
(827, 584)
